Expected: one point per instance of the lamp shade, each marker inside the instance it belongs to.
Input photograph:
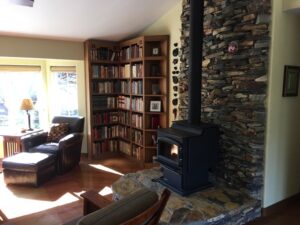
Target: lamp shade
(26, 104)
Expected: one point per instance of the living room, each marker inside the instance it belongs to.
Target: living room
(259, 154)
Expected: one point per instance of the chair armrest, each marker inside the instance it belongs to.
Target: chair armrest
(92, 201)
(69, 140)
(34, 140)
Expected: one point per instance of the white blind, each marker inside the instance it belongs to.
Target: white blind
(63, 69)
(19, 68)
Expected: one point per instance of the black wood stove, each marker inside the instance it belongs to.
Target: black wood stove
(188, 149)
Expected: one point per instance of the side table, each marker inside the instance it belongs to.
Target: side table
(12, 140)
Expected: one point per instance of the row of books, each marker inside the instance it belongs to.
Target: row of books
(124, 117)
(134, 51)
(125, 147)
(101, 71)
(122, 102)
(103, 53)
(137, 104)
(107, 87)
(104, 102)
(105, 118)
(137, 152)
(137, 87)
(124, 71)
(113, 131)
(105, 146)
(137, 137)
(137, 70)
(137, 120)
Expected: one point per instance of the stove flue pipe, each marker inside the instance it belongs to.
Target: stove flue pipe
(195, 63)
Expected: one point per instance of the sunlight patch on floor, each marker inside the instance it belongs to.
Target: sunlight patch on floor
(106, 169)
(18, 206)
(106, 191)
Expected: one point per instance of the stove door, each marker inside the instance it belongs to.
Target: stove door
(169, 152)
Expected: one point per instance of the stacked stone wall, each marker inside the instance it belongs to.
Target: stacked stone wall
(234, 84)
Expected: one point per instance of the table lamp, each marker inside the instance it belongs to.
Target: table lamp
(27, 105)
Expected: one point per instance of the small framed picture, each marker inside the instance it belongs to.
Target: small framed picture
(155, 89)
(155, 106)
(155, 49)
(290, 81)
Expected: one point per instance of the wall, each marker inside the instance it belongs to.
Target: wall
(40, 48)
(291, 5)
(234, 85)
(282, 164)
(168, 24)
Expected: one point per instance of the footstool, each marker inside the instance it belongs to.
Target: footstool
(28, 168)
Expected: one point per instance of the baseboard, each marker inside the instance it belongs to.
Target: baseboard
(279, 206)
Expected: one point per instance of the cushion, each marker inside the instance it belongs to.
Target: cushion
(51, 148)
(122, 210)
(57, 131)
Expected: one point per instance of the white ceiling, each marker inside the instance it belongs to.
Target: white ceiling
(79, 20)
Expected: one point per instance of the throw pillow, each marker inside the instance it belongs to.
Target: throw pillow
(57, 131)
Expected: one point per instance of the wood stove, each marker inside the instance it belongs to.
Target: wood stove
(188, 149)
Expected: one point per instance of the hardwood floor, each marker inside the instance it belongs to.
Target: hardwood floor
(289, 214)
(57, 201)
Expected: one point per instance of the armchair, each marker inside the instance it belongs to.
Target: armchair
(67, 149)
(140, 207)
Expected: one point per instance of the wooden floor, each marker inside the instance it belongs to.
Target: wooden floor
(289, 215)
(57, 201)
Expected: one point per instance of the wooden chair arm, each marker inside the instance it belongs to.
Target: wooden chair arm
(92, 201)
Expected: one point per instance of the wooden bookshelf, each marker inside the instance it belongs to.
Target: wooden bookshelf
(127, 83)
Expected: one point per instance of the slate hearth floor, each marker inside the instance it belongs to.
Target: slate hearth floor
(213, 206)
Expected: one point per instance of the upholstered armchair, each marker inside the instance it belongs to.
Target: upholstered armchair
(141, 207)
(64, 140)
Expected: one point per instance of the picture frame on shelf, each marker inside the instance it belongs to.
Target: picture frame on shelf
(155, 49)
(290, 81)
(155, 106)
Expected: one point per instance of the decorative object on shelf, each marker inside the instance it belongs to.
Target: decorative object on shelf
(154, 139)
(233, 47)
(155, 49)
(290, 81)
(155, 89)
(155, 122)
(27, 105)
(155, 106)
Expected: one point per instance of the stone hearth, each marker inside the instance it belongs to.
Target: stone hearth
(214, 206)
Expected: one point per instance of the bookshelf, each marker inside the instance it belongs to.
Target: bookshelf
(127, 95)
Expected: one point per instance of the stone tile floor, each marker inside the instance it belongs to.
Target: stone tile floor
(214, 206)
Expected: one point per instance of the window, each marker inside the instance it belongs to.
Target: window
(64, 100)
(16, 83)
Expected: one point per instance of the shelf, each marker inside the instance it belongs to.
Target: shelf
(155, 58)
(150, 95)
(151, 130)
(137, 128)
(105, 139)
(104, 62)
(104, 125)
(155, 78)
(105, 94)
(137, 144)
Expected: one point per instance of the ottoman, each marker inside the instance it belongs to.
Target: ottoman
(28, 168)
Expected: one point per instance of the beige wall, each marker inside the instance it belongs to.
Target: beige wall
(40, 48)
(291, 5)
(282, 155)
(169, 24)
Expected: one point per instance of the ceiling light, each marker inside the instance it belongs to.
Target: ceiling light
(22, 2)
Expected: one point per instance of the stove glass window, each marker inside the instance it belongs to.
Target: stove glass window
(169, 150)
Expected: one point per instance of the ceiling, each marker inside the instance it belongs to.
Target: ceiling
(79, 20)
